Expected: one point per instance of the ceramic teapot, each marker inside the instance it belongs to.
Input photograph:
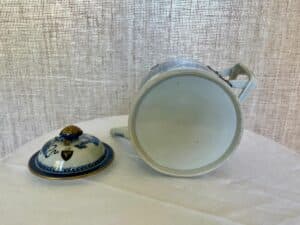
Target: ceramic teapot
(186, 118)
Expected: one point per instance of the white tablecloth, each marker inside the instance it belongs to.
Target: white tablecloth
(259, 184)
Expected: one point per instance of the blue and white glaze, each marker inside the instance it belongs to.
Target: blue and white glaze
(85, 150)
(71, 154)
(82, 142)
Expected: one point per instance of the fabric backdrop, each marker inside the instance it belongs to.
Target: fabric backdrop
(68, 61)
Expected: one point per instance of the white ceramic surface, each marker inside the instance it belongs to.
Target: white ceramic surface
(186, 120)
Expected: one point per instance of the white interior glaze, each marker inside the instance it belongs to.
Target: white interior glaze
(185, 122)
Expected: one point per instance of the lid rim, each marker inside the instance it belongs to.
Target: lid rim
(102, 162)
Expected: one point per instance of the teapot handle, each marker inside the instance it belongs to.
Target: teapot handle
(231, 74)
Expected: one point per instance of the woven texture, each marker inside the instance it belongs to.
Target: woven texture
(67, 61)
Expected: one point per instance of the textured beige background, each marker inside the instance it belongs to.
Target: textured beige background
(67, 61)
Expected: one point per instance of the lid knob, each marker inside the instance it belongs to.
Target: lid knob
(71, 132)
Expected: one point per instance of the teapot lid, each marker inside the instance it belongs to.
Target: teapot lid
(71, 154)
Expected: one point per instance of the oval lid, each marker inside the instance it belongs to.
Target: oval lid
(72, 153)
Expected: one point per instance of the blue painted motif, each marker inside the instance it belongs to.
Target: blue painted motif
(86, 139)
(39, 168)
(49, 148)
(107, 155)
(59, 138)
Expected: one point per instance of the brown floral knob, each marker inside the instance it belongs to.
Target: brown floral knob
(71, 132)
